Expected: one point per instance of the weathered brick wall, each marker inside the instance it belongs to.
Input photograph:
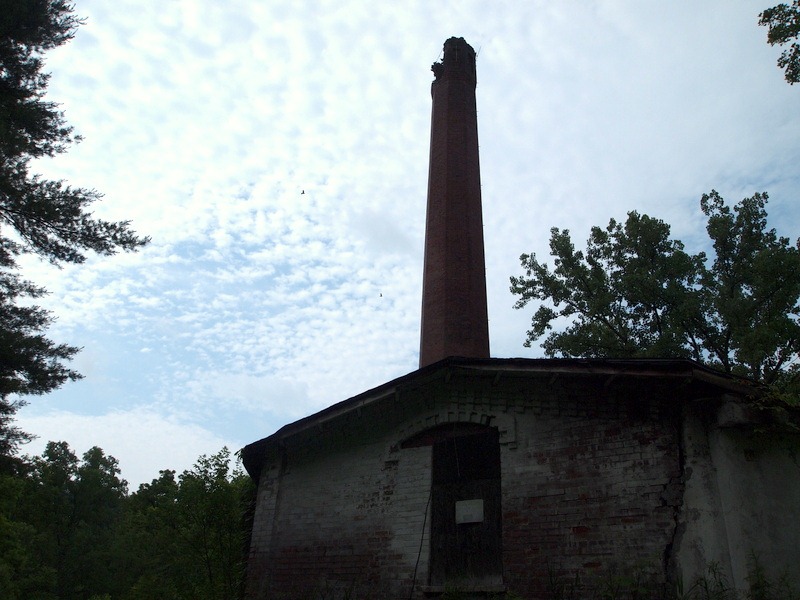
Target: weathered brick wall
(590, 481)
(587, 496)
(348, 521)
(264, 525)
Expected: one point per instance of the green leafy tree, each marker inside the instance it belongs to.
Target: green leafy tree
(11, 436)
(75, 508)
(152, 541)
(783, 23)
(95, 558)
(636, 292)
(22, 573)
(69, 530)
(46, 218)
(189, 536)
(50, 511)
(210, 498)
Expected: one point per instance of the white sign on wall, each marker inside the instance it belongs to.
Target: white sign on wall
(469, 511)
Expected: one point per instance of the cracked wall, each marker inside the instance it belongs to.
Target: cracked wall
(742, 499)
(589, 496)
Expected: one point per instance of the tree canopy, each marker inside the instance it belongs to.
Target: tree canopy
(70, 530)
(783, 23)
(636, 292)
(46, 218)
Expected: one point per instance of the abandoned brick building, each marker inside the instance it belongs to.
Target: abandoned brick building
(491, 475)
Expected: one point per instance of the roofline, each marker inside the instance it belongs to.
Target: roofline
(638, 367)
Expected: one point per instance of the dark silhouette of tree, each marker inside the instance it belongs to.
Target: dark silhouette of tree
(635, 292)
(190, 535)
(46, 218)
(70, 530)
(64, 515)
(783, 23)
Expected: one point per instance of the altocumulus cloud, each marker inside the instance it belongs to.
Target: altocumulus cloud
(205, 122)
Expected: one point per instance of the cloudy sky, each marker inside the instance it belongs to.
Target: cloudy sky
(257, 304)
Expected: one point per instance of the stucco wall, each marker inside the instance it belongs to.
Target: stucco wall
(742, 502)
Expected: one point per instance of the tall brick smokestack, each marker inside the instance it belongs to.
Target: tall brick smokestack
(454, 315)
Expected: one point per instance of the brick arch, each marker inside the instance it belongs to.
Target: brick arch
(429, 421)
(437, 433)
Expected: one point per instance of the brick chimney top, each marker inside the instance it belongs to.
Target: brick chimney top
(458, 61)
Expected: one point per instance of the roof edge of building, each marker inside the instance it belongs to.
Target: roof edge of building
(252, 454)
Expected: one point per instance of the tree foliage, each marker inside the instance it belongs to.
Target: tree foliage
(783, 23)
(46, 218)
(65, 512)
(192, 532)
(636, 292)
(70, 530)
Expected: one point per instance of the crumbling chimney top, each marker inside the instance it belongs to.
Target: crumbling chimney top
(458, 61)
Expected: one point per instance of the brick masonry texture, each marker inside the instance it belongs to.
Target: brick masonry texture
(587, 495)
(349, 521)
(454, 312)
(590, 480)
